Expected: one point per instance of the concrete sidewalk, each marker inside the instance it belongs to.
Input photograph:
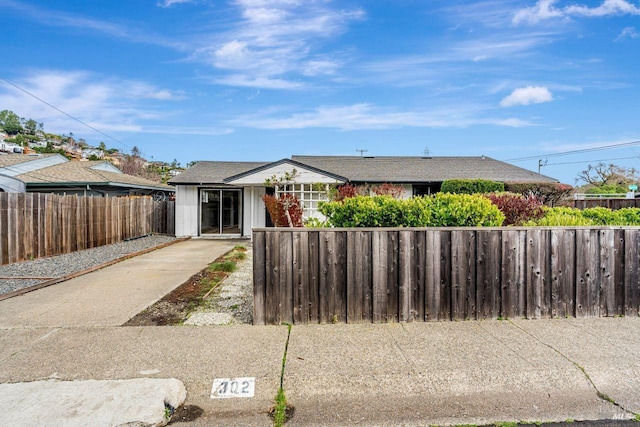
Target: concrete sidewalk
(113, 295)
(395, 374)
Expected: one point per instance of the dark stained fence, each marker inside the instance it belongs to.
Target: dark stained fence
(614, 204)
(35, 225)
(402, 275)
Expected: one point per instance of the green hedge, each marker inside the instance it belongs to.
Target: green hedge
(592, 216)
(439, 210)
(471, 186)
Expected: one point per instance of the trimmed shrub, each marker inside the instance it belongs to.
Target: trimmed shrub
(599, 216)
(464, 210)
(517, 209)
(561, 217)
(549, 193)
(439, 210)
(471, 186)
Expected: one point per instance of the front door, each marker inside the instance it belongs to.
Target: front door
(220, 211)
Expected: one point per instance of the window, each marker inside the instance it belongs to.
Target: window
(309, 196)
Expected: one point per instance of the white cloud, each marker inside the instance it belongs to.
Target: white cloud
(546, 9)
(366, 116)
(54, 18)
(277, 39)
(169, 3)
(527, 95)
(241, 80)
(628, 32)
(104, 103)
(543, 9)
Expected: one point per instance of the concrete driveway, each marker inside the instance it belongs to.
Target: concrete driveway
(113, 295)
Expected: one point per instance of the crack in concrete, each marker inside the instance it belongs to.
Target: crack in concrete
(600, 394)
(518, 354)
(395, 342)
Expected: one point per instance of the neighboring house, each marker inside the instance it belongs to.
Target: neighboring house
(53, 173)
(224, 198)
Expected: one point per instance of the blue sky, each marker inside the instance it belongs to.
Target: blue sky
(265, 79)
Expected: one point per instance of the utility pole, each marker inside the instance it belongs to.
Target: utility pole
(426, 151)
(361, 152)
(541, 164)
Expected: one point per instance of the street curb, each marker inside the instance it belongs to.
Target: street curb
(35, 287)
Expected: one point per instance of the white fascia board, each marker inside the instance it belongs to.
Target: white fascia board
(304, 176)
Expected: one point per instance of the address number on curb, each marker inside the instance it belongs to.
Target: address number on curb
(225, 388)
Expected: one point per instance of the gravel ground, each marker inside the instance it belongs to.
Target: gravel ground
(232, 302)
(63, 265)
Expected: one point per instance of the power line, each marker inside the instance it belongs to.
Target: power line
(63, 112)
(591, 161)
(583, 150)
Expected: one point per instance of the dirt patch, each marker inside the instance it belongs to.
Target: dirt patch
(175, 307)
(185, 414)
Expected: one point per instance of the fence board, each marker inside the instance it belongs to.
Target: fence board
(620, 271)
(607, 273)
(538, 287)
(632, 272)
(359, 277)
(563, 267)
(272, 280)
(513, 274)
(259, 278)
(314, 276)
(587, 277)
(419, 290)
(332, 283)
(489, 260)
(407, 275)
(286, 277)
(463, 262)
(4, 228)
(300, 278)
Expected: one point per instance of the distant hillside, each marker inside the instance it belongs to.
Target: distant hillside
(20, 135)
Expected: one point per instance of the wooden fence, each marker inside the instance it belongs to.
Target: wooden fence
(389, 275)
(614, 204)
(35, 225)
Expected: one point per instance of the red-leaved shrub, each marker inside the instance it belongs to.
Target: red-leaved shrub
(517, 208)
(279, 207)
(395, 191)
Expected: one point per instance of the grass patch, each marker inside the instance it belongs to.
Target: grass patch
(225, 266)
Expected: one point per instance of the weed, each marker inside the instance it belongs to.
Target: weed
(168, 411)
(240, 248)
(334, 319)
(637, 418)
(506, 424)
(226, 266)
(280, 410)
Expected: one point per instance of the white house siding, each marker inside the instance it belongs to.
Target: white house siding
(254, 212)
(186, 210)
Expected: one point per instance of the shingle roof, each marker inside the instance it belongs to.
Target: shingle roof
(206, 172)
(421, 169)
(82, 172)
(395, 169)
(16, 159)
